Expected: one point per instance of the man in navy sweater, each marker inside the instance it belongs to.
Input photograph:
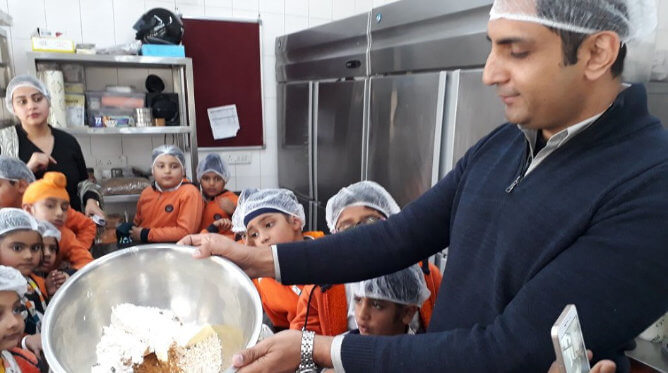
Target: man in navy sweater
(566, 203)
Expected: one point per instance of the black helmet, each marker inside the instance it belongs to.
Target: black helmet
(159, 26)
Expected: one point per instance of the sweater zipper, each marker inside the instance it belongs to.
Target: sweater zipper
(523, 169)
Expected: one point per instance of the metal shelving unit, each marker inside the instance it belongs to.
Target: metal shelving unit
(182, 84)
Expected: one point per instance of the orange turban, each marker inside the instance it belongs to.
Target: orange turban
(52, 185)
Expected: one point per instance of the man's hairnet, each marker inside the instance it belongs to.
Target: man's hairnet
(12, 280)
(255, 202)
(630, 19)
(14, 169)
(47, 229)
(24, 81)
(213, 163)
(12, 219)
(404, 287)
(172, 150)
(364, 193)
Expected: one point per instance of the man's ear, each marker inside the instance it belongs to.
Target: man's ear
(599, 52)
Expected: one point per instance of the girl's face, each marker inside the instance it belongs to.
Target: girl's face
(12, 315)
(21, 250)
(30, 106)
(167, 171)
(381, 317)
(53, 210)
(49, 254)
(212, 184)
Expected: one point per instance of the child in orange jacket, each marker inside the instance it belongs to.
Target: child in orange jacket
(172, 207)
(330, 311)
(47, 199)
(273, 216)
(213, 174)
(53, 278)
(15, 177)
(13, 287)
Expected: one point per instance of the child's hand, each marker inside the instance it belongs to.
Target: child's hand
(135, 234)
(54, 281)
(227, 206)
(223, 225)
(34, 343)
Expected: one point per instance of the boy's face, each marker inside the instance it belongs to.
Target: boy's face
(11, 192)
(49, 254)
(273, 228)
(212, 184)
(167, 171)
(12, 323)
(30, 106)
(53, 210)
(381, 317)
(21, 250)
(353, 216)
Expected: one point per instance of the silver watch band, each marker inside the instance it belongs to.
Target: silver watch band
(306, 359)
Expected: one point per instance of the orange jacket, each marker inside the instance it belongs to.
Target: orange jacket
(83, 227)
(280, 301)
(70, 249)
(213, 212)
(25, 359)
(328, 313)
(169, 216)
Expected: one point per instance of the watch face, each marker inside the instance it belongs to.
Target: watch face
(308, 370)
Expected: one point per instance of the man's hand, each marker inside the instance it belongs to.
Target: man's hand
(34, 343)
(603, 366)
(223, 225)
(135, 233)
(93, 208)
(39, 161)
(279, 353)
(255, 261)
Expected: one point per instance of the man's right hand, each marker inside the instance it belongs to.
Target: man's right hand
(40, 161)
(255, 261)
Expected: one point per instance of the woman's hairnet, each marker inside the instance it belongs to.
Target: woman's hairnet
(404, 287)
(12, 280)
(24, 81)
(14, 169)
(12, 219)
(47, 229)
(172, 150)
(213, 163)
(630, 19)
(364, 193)
(254, 202)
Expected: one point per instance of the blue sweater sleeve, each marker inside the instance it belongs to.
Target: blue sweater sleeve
(613, 273)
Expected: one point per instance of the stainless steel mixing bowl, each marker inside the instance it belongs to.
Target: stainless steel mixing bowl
(211, 290)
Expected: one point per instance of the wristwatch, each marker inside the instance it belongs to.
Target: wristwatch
(307, 365)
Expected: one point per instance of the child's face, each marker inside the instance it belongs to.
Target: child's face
(381, 317)
(273, 228)
(167, 171)
(53, 210)
(12, 323)
(11, 192)
(212, 184)
(353, 216)
(21, 250)
(49, 254)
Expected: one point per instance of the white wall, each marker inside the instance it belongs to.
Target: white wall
(109, 22)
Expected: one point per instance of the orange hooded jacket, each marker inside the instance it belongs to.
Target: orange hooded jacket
(213, 212)
(82, 226)
(72, 250)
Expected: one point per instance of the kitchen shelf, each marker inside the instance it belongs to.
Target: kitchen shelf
(121, 198)
(127, 130)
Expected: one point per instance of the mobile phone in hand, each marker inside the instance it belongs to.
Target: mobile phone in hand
(569, 343)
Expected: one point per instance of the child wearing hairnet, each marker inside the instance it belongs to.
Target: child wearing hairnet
(172, 207)
(388, 305)
(15, 177)
(330, 311)
(220, 203)
(47, 199)
(267, 217)
(21, 248)
(12, 315)
(53, 278)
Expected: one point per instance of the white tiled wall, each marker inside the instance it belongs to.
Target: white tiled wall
(109, 22)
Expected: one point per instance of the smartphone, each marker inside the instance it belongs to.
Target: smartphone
(569, 343)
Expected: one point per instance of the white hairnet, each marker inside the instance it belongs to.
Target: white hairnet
(364, 193)
(14, 169)
(630, 19)
(12, 280)
(47, 229)
(172, 150)
(404, 287)
(24, 81)
(213, 163)
(254, 202)
(12, 219)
